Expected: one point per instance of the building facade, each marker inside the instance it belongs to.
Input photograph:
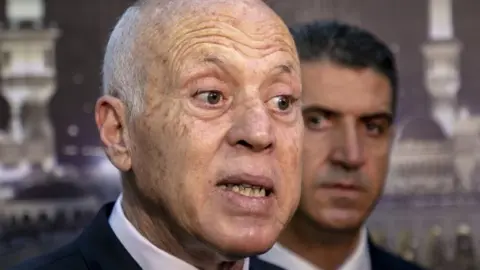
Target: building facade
(429, 211)
(84, 26)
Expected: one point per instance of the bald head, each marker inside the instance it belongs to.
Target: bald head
(143, 37)
(211, 89)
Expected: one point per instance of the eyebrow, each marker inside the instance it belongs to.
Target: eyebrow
(214, 60)
(279, 69)
(218, 62)
(367, 116)
(284, 68)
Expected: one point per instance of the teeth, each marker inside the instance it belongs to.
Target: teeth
(246, 190)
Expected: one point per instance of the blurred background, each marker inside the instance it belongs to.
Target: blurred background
(54, 175)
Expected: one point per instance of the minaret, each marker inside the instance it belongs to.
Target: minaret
(441, 53)
(464, 141)
(28, 74)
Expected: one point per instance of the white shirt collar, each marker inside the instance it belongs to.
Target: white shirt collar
(147, 255)
(281, 256)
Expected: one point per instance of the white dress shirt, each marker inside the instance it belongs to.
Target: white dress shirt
(281, 256)
(147, 255)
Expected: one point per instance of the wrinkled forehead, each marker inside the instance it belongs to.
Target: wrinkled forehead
(185, 23)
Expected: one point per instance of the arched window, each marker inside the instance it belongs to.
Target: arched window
(43, 218)
(26, 219)
(60, 220)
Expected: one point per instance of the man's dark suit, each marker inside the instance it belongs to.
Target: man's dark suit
(97, 248)
(381, 259)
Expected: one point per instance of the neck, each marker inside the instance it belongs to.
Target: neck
(157, 226)
(326, 248)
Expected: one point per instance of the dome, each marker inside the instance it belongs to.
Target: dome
(422, 129)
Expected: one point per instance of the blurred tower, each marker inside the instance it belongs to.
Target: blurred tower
(464, 254)
(406, 248)
(436, 253)
(441, 53)
(465, 139)
(28, 75)
(25, 11)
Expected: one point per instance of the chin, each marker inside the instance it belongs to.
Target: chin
(343, 227)
(245, 248)
(241, 242)
(340, 220)
(346, 224)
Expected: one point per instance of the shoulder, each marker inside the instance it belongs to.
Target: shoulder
(381, 258)
(258, 264)
(67, 257)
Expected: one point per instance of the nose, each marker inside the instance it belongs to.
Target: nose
(347, 148)
(252, 128)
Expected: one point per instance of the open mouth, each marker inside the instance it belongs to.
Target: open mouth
(247, 190)
(248, 185)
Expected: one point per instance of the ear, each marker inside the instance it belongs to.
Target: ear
(111, 124)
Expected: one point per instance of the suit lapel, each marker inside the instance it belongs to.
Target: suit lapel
(377, 257)
(101, 248)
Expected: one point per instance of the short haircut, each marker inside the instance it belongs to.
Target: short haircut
(122, 73)
(346, 45)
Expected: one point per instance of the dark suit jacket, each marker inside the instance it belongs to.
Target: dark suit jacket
(382, 259)
(97, 248)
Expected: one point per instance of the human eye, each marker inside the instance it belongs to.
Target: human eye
(316, 120)
(376, 128)
(210, 98)
(282, 103)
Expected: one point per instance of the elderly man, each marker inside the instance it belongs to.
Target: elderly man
(201, 117)
(349, 94)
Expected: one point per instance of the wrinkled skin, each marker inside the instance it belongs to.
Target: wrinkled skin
(217, 86)
(348, 133)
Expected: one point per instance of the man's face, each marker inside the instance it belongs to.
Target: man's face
(219, 147)
(347, 114)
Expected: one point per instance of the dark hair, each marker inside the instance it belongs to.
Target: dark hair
(346, 45)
